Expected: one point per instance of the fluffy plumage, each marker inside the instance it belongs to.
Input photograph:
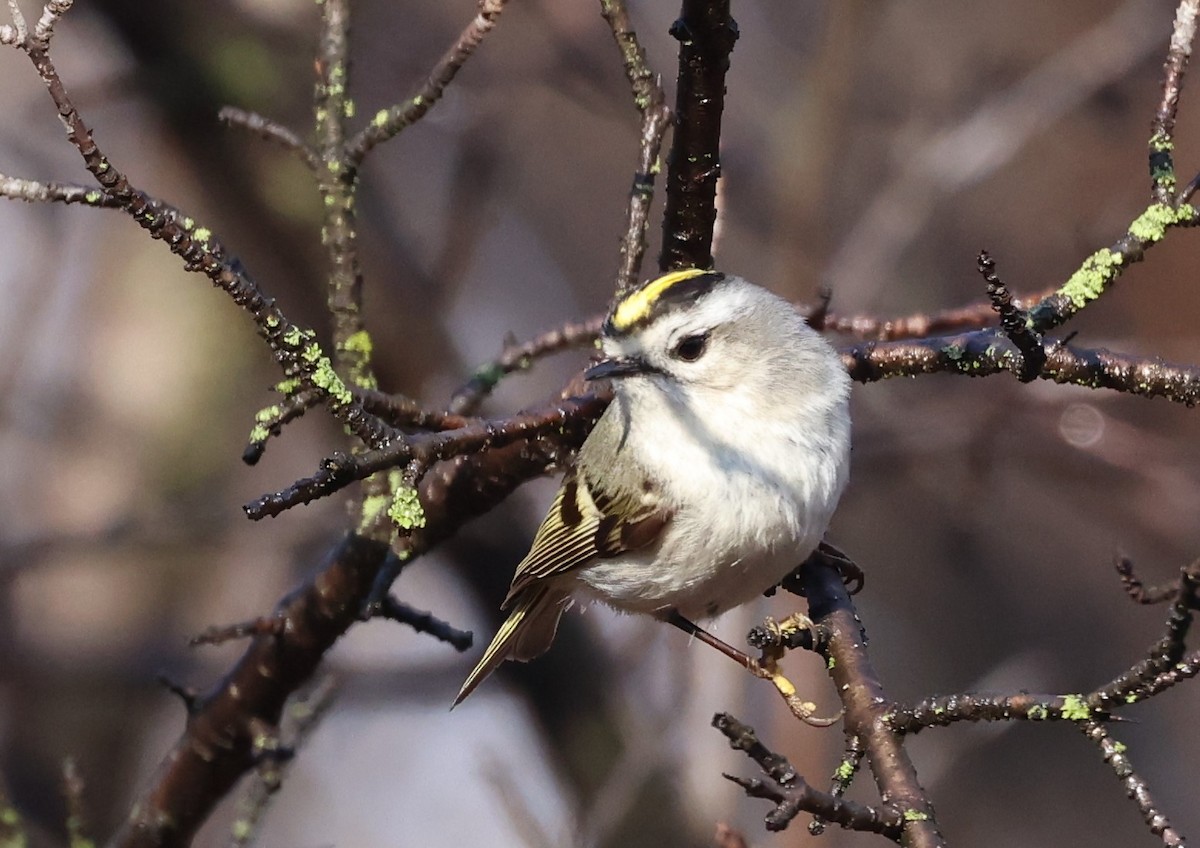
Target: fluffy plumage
(713, 473)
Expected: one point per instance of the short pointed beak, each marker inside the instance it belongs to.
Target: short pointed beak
(620, 366)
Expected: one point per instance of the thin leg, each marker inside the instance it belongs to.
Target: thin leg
(767, 670)
(692, 629)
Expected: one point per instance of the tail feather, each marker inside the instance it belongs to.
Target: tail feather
(525, 634)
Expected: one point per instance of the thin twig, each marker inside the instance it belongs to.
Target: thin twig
(33, 191)
(843, 776)
(792, 795)
(269, 422)
(419, 452)
(1162, 138)
(1014, 321)
(1137, 590)
(945, 710)
(270, 130)
(1135, 786)
(387, 123)
(424, 622)
(920, 324)
(519, 357)
(300, 718)
(650, 100)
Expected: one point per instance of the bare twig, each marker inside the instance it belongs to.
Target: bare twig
(518, 357)
(945, 710)
(843, 776)
(419, 452)
(389, 122)
(921, 324)
(1165, 663)
(650, 100)
(424, 622)
(1138, 591)
(267, 129)
(1135, 786)
(1162, 138)
(1014, 321)
(33, 191)
(792, 795)
(270, 421)
(300, 718)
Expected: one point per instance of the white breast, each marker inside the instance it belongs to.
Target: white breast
(752, 499)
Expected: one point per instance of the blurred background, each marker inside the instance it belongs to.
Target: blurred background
(870, 147)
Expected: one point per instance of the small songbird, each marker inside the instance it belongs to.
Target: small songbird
(710, 477)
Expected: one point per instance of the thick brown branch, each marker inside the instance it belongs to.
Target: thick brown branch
(706, 33)
(866, 704)
(216, 747)
(983, 353)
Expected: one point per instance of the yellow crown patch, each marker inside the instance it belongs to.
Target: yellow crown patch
(636, 306)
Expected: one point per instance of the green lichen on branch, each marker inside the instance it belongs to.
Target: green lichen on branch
(1095, 275)
(357, 350)
(264, 420)
(406, 510)
(319, 368)
(1152, 225)
(376, 504)
(1075, 709)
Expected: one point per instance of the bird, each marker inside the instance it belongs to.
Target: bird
(713, 473)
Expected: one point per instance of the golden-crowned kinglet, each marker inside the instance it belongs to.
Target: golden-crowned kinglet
(713, 473)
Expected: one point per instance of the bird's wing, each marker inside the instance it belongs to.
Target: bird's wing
(525, 634)
(584, 524)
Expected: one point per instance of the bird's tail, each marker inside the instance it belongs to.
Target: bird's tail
(525, 634)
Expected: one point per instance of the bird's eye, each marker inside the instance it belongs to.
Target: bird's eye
(691, 348)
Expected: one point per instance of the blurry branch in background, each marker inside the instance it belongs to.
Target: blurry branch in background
(12, 827)
(73, 790)
(300, 718)
(936, 166)
(428, 469)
